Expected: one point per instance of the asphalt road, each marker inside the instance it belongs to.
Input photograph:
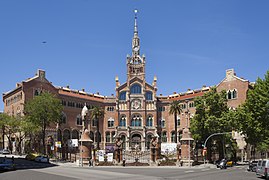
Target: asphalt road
(139, 173)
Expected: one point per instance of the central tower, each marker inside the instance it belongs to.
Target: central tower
(135, 63)
(136, 101)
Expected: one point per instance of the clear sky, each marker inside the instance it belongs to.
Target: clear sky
(187, 43)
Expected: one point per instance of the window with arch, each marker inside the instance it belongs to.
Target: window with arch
(110, 122)
(148, 140)
(136, 89)
(107, 136)
(229, 94)
(164, 136)
(123, 138)
(149, 122)
(173, 136)
(163, 123)
(178, 121)
(98, 135)
(234, 94)
(64, 118)
(122, 96)
(113, 136)
(94, 122)
(191, 104)
(136, 121)
(122, 121)
(79, 120)
(149, 96)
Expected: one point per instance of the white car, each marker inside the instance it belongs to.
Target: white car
(263, 168)
(43, 159)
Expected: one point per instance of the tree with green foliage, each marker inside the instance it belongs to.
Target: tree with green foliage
(97, 113)
(175, 109)
(253, 115)
(43, 111)
(212, 116)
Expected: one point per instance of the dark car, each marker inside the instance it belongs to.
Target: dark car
(252, 166)
(7, 164)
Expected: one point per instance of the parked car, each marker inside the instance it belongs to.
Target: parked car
(252, 166)
(7, 164)
(263, 168)
(222, 164)
(42, 158)
(6, 151)
(31, 156)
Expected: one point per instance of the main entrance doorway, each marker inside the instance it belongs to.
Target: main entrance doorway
(136, 142)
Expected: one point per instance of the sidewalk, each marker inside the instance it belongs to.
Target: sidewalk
(70, 164)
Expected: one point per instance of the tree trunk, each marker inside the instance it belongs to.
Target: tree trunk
(97, 136)
(175, 116)
(3, 136)
(43, 137)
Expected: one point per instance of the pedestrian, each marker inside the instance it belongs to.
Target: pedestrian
(123, 162)
(12, 158)
(90, 162)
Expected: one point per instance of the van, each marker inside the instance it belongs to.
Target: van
(263, 168)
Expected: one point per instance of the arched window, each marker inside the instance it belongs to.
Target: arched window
(136, 89)
(234, 94)
(178, 121)
(75, 134)
(173, 136)
(110, 122)
(229, 95)
(148, 140)
(79, 120)
(123, 138)
(107, 137)
(163, 123)
(149, 95)
(164, 136)
(59, 135)
(113, 136)
(63, 118)
(94, 122)
(99, 136)
(122, 95)
(66, 135)
(149, 122)
(136, 121)
(122, 121)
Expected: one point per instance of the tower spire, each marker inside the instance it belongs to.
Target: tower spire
(135, 24)
(135, 42)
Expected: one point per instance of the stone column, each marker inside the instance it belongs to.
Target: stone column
(186, 148)
(85, 146)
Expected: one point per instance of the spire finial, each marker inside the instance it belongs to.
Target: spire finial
(135, 25)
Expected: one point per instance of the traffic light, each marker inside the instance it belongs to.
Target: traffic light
(204, 151)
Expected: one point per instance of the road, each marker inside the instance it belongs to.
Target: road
(138, 173)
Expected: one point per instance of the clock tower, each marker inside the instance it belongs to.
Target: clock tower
(136, 101)
(135, 63)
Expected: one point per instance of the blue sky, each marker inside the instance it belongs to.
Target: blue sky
(187, 43)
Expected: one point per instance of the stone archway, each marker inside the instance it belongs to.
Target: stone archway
(136, 142)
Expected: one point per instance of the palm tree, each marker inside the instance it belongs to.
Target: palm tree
(96, 113)
(175, 108)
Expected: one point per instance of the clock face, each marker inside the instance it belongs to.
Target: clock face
(136, 48)
(136, 104)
